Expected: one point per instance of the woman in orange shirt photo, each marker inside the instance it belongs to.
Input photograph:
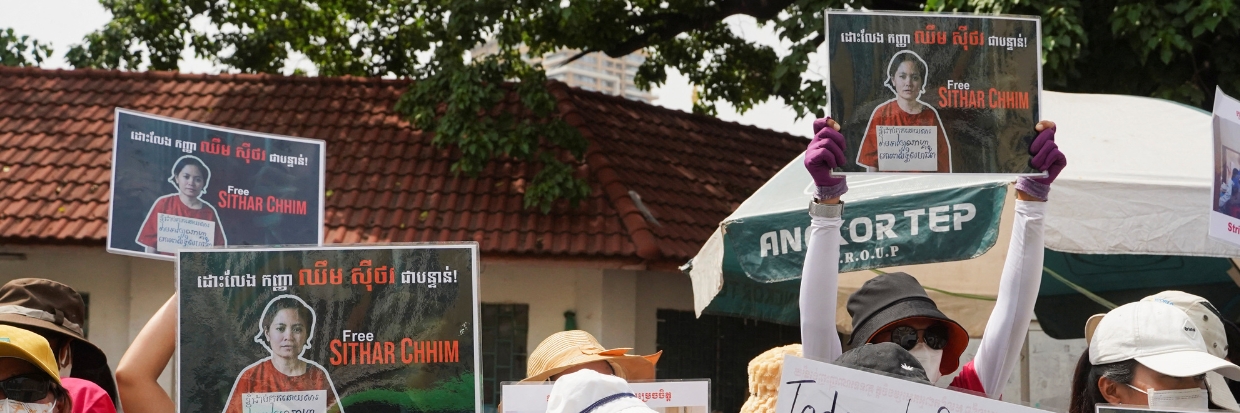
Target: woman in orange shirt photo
(906, 78)
(190, 177)
(287, 325)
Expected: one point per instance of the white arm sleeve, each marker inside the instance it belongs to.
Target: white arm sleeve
(999, 352)
(820, 280)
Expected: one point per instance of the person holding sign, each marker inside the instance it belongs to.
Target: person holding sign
(199, 224)
(894, 307)
(287, 325)
(905, 134)
(1146, 353)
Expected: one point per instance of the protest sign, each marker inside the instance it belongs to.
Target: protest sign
(329, 329)
(1225, 199)
(929, 92)
(179, 184)
(809, 386)
(665, 396)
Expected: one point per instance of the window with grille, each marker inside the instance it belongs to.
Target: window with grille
(505, 328)
(718, 348)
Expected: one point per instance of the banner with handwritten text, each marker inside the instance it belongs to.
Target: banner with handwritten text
(170, 178)
(329, 329)
(663, 396)
(814, 386)
(927, 92)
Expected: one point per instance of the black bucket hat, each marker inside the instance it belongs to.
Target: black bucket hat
(893, 297)
(886, 358)
(45, 306)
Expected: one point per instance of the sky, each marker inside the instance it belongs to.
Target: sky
(63, 23)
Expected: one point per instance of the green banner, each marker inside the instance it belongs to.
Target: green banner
(763, 255)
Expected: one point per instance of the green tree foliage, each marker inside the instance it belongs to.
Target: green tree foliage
(21, 50)
(1175, 49)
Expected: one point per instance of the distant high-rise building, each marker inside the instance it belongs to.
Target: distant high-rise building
(595, 71)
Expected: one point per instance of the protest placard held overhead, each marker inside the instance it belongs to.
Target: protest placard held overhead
(179, 184)
(935, 92)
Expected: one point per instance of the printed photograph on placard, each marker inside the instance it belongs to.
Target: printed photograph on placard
(1225, 197)
(326, 330)
(179, 184)
(935, 93)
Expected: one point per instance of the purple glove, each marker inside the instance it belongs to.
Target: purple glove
(1046, 158)
(826, 152)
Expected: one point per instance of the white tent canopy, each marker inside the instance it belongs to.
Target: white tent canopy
(1138, 179)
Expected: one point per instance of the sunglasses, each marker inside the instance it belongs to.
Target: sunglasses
(26, 389)
(934, 336)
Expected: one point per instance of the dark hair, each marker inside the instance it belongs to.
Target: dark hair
(61, 395)
(900, 58)
(187, 161)
(1085, 393)
(287, 303)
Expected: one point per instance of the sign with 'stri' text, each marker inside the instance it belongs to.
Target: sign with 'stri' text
(808, 386)
(329, 329)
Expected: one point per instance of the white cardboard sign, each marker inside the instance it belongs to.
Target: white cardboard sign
(908, 148)
(176, 232)
(312, 401)
(809, 386)
(691, 396)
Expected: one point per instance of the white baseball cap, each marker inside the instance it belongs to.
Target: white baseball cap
(588, 391)
(1210, 324)
(1158, 336)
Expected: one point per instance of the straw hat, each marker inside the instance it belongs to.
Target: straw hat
(566, 349)
(765, 371)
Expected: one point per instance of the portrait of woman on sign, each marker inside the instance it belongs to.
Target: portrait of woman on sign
(190, 176)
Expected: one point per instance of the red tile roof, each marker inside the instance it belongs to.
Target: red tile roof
(387, 183)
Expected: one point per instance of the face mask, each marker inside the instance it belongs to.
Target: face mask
(929, 358)
(10, 406)
(1184, 399)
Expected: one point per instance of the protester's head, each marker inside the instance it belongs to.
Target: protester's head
(287, 325)
(894, 308)
(190, 176)
(588, 391)
(570, 351)
(885, 358)
(58, 313)
(1211, 325)
(906, 75)
(29, 377)
(764, 373)
(1138, 353)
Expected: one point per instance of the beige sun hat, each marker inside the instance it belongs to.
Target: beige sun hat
(566, 349)
(764, 373)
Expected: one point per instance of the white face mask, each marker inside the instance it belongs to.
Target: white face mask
(10, 406)
(929, 358)
(1184, 399)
